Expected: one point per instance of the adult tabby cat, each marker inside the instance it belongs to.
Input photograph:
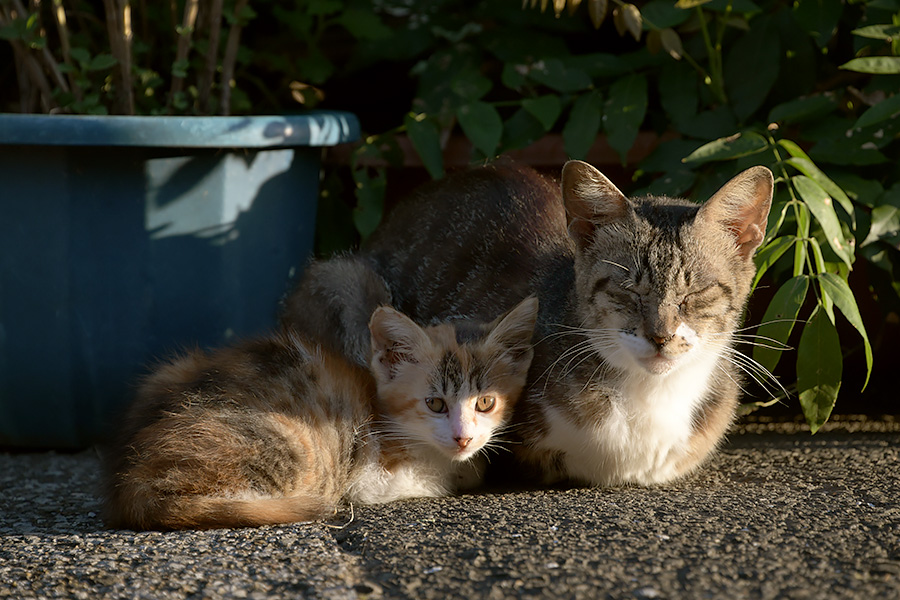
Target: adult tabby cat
(633, 379)
(278, 429)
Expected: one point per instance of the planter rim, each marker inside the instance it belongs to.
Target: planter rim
(316, 128)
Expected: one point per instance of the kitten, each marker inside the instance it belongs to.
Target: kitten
(278, 429)
(634, 379)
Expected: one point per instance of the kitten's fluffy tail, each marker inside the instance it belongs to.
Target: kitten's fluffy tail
(210, 512)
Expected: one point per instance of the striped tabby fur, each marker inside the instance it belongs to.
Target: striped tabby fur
(633, 380)
(278, 429)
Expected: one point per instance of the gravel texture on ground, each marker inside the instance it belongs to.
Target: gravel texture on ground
(773, 515)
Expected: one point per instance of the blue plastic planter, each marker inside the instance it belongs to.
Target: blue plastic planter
(123, 239)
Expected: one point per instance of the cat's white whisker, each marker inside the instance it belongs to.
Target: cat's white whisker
(615, 264)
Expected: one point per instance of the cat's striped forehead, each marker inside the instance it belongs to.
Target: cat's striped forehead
(660, 246)
(458, 363)
(458, 370)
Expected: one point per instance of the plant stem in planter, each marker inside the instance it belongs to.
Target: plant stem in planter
(212, 52)
(228, 61)
(184, 46)
(118, 26)
(62, 29)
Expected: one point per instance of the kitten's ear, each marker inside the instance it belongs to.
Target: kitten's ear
(590, 199)
(513, 331)
(396, 340)
(742, 206)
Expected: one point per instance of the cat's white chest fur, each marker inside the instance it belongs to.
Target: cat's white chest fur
(643, 434)
(427, 475)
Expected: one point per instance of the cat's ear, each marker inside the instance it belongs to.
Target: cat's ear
(742, 206)
(513, 331)
(590, 198)
(396, 340)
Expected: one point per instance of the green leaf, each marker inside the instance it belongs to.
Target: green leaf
(470, 85)
(364, 25)
(710, 124)
(180, 101)
(820, 205)
(885, 224)
(819, 266)
(852, 150)
(545, 109)
(512, 76)
(521, 130)
(581, 129)
(809, 168)
(884, 110)
(878, 32)
(179, 68)
(819, 369)
(727, 148)
(769, 254)
(102, 62)
(756, 53)
(664, 13)
(737, 6)
(80, 55)
(426, 139)
(678, 91)
(315, 67)
(875, 65)
(482, 125)
(819, 18)
(839, 292)
(803, 109)
(323, 7)
(10, 32)
(370, 192)
(624, 112)
(777, 215)
(778, 322)
(793, 149)
(555, 74)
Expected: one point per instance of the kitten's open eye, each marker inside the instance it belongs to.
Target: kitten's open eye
(485, 403)
(436, 405)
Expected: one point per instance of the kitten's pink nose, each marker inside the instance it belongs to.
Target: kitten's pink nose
(462, 442)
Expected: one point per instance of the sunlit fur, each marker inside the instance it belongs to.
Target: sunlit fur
(645, 386)
(635, 378)
(278, 430)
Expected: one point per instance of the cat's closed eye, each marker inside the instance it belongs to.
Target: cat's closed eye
(485, 404)
(435, 404)
(702, 299)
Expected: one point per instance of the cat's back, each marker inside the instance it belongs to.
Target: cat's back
(282, 372)
(463, 245)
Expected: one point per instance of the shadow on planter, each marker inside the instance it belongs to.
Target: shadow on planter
(123, 239)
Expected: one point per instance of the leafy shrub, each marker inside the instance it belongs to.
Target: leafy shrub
(806, 88)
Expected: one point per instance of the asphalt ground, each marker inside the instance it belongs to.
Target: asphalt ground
(776, 514)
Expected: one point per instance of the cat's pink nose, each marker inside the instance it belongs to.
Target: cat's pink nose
(661, 341)
(462, 442)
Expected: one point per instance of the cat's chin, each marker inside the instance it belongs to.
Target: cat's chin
(658, 365)
(460, 456)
